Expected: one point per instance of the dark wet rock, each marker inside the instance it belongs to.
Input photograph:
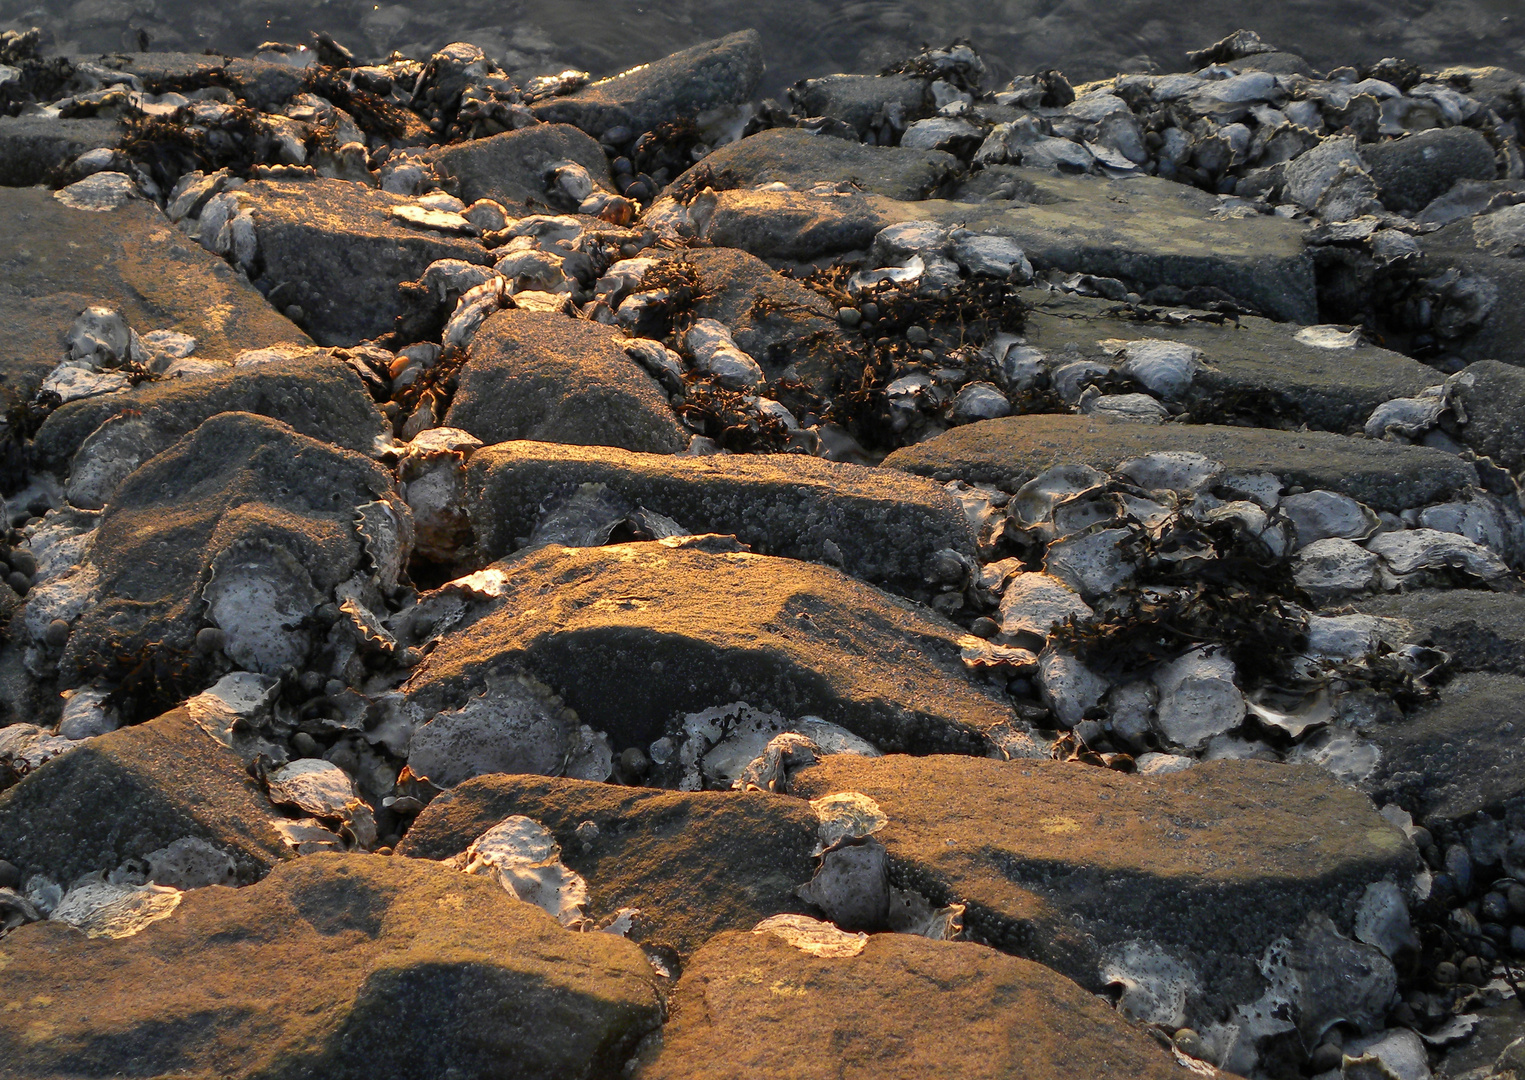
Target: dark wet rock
(511, 168)
(543, 376)
(1276, 62)
(31, 147)
(862, 101)
(263, 84)
(1475, 280)
(320, 398)
(341, 966)
(934, 1009)
(800, 159)
(787, 328)
(1459, 755)
(1482, 631)
(1493, 395)
(1067, 864)
(633, 636)
(59, 261)
(787, 225)
(242, 495)
(1417, 168)
(875, 524)
(693, 863)
(130, 792)
(1144, 230)
(1010, 451)
(333, 248)
(717, 73)
(1253, 371)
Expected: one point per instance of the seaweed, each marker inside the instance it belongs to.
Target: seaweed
(732, 420)
(167, 149)
(372, 113)
(153, 679)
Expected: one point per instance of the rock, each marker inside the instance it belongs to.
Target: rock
(778, 322)
(129, 793)
(320, 398)
(1075, 866)
(635, 636)
(798, 158)
(1493, 395)
(336, 965)
(1456, 756)
(32, 147)
(684, 85)
(863, 101)
(512, 168)
(242, 523)
(1413, 170)
(1011, 451)
(863, 520)
(791, 225)
(1252, 370)
(263, 84)
(940, 1009)
(1144, 230)
(129, 259)
(335, 249)
(692, 863)
(1475, 319)
(543, 376)
(1482, 631)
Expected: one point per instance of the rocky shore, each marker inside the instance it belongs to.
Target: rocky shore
(926, 576)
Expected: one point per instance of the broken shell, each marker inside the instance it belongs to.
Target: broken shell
(812, 936)
(438, 220)
(1329, 337)
(716, 353)
(754, 734)
(1171, 470)
(307, 836)
(847, 815)
(190, 863)
(1412, 550)
(259, 595)
(107, 456)
(323, 790)
(1382, 919)
(99, 335)
(1034, 500)
(102, 910)
(1318, 515)
(1407, 418)
(1092, 563)
(101, 192)
(1164, 368)
(1334, 568)
(1069, 688)
(515, 726)
(1198, 698)
(1155, 985)
(1313, 711)
(526, 860)
(852, 885)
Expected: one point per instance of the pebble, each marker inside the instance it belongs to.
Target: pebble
(210, 639)
(57, 634)
(23, 562)
(10, 875)
(1516, 897)
(1495, 907)
(1472, 972)
(18, 582)
(1459, 864)
(1189, 1042)
(1445, 973)
(305, 745)
(1325, 1058)
(849, 317)
(984, 627)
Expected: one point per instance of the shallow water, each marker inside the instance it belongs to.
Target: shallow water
(1084, 38)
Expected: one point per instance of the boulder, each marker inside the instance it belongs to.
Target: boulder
(130, 259)
(320, 398)
(543, 376)
(511, 168)
(919, 1009)
(1012, 450)
(1481, 631)
(1458, 755)
(1253, 370)
(244, 501)
(31, 147)
(872, 523)
(859, 100)
(692, 863)
(792, 225)
(1146, 231)
(801, 159)
(1082, 868)
(635, 636)
(343, 966)
(334, 249)
(684, 85)
(1493, 395)
(1477, 278)
(131, 792)
(1417, 168)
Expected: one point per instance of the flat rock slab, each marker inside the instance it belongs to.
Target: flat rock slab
(904, 1006)
(875, 524)
(1144, 230)
(1459, 755)
(706, 76)
(1255, 371)
(239, 491)
(544, 376)
(1065, 863)
(337, 246)
(800, 159)
(33, 146)
(1482, 631)
(130, 792)
(56, 261)
(512, 167)
(693, 863)
(320, 398)
(781, 324)
(345, 966)
(1502, 335)
(793, 226)
(1010, 451)
(633, 636)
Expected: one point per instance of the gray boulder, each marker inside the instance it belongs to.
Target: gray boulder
(31, 147)
(1415, 169)
(511, 168)
(1482, 631)
(858, 100)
